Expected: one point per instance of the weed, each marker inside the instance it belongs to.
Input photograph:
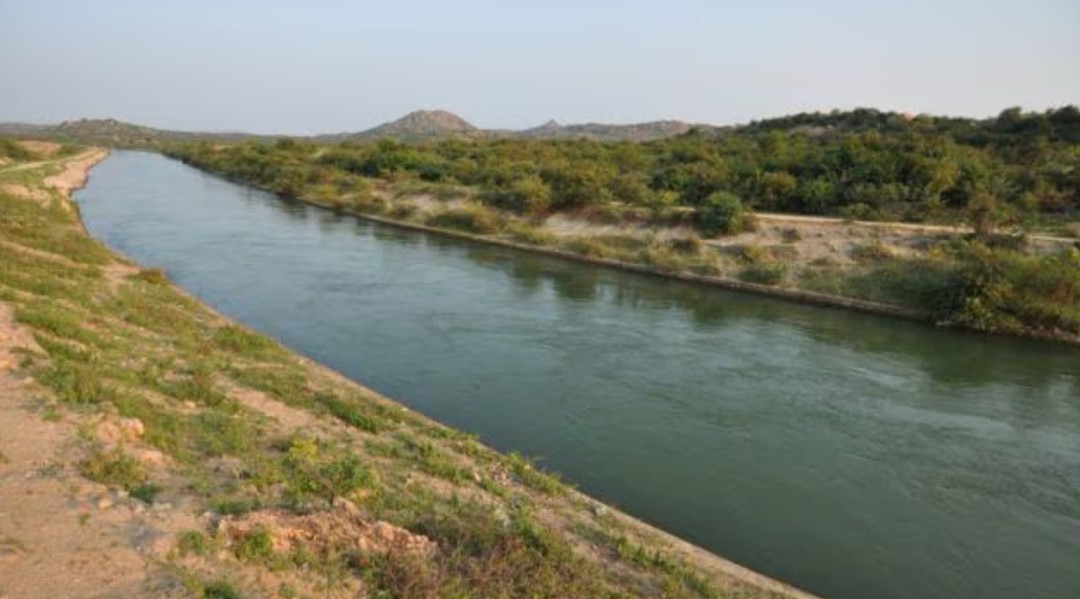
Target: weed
(790, 235)
(73, 382)
(236, 339)
(146, 492)
(871, 251)
(763, 274)
(233, 506)
(113, 468)
(221, 589)
(533, 478)
(256, 546)
(474, 218)
(154, 276)
(349, 412)
(193, 542)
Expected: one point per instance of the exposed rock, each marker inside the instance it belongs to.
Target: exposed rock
(115, 433)
(343, 526)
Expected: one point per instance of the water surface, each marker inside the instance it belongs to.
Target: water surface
(855, 456)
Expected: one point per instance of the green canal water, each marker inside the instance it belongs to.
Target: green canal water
(852, 455)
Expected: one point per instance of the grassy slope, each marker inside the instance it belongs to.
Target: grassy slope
(271, 444)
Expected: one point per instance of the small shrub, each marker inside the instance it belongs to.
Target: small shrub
(256, 546)
(309, 474)
(471, 219)
(531, 235)
(586, 246)
(221, 589)
(751, 253)
(763, 274)
(113, 468)
(874, 250)
(154, 276)
(365, 203)
(687, 245)
(230, 506)
(146, 492)
(192, 542)
(345, 475)
(239, 340)
(790, 235)
(403, 210)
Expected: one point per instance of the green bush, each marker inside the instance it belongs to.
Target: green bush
(722, 213)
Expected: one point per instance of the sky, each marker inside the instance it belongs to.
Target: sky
(322, 66)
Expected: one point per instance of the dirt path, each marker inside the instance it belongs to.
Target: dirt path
(791, 219)
(62, 535)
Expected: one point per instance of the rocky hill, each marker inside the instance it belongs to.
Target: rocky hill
(423, 124)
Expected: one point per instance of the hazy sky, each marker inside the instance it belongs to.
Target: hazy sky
(326, 66)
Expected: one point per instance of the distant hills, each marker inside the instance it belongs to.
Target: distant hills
(111, 132)
(418, 125)
(440, 124)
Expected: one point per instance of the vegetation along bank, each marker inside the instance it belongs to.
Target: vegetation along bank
(966, 223)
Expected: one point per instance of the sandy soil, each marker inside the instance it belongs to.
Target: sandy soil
(61, 535)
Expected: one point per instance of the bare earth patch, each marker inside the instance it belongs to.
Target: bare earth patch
(62, 535)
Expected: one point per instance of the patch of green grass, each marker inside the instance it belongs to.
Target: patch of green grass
(193, 542)
(146, 492)
(287, 384)
(350, 412)
(233, 506)
(526, 472)
(219, 434)
(221, 589)
(113, 468)
(679, 580)
(256, 546)
(73, 382)
(236, 339)
(61, 323)
(198, 386)
(432, 459)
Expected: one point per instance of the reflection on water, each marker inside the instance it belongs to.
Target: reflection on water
(854, 455)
